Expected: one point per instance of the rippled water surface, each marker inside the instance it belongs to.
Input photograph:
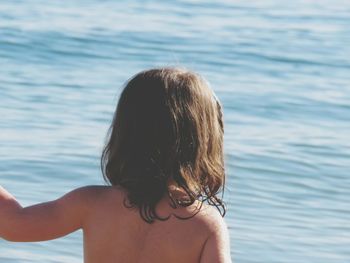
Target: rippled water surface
(280, 68)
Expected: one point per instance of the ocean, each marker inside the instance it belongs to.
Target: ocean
(280, 68)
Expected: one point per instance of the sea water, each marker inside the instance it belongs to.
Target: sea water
(280, 68)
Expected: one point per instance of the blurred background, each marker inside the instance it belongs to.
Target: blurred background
(280, 68)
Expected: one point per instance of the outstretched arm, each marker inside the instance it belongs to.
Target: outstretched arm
(43, 221)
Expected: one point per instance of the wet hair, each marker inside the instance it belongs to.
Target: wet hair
(167, 127)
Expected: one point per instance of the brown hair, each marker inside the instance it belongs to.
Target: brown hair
(167, 127)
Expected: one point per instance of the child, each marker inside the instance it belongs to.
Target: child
(164, 162)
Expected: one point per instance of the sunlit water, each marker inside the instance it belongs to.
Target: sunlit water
(280, 68)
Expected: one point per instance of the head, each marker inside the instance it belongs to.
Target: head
(167, 129)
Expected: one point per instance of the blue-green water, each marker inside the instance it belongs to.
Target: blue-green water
(281, 69)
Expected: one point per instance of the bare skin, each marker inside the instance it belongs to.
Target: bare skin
(114, 233)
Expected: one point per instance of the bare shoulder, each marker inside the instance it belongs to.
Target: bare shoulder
(217, 245)
(96, 199)
(91, 196)
(85, 193)
(211, 219)
(96, 193)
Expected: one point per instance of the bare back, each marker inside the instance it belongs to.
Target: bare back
(114, 233)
